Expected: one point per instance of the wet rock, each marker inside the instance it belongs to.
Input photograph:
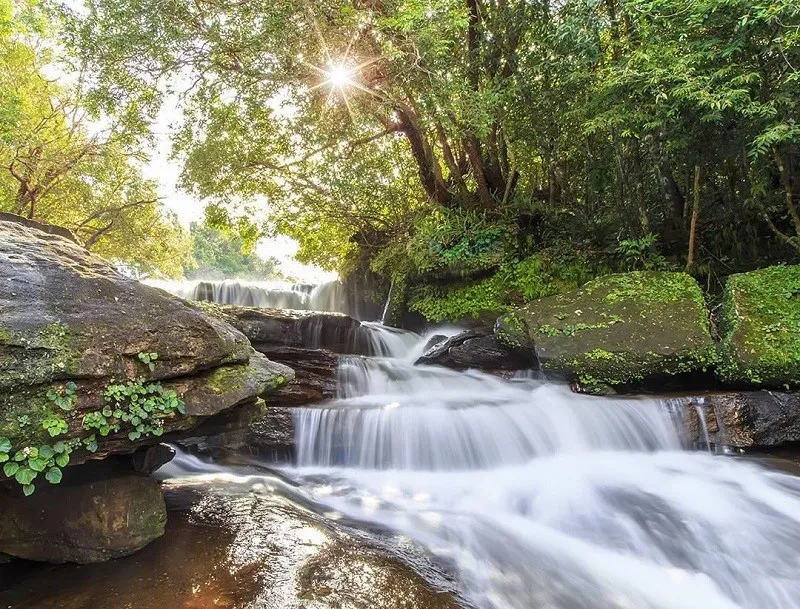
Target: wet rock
(266, 431)
(623, 330)
(744, 419)
(148, 459)
(477, 349)
(84, 522)
(269, 329)
(240, 546)
(433, 341)
(315, 376)
(760, 328)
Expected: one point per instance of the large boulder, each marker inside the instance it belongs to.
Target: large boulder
(309, 342)
(760, 328)
(93, 363)
(620, 330)
(82, 522)
(268, 328)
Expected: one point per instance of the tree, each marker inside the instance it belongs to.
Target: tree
(223, 255)
(581, 122)
(59, 166)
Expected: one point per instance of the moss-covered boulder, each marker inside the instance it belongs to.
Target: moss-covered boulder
(622, 330)
(760, 328)
(93, 363)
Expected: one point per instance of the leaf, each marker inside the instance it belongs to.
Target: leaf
(59, 447)
(10, 468)
(46, 452)
(134, 435)
(38, 464)
(25, 475)
(28, 489)
(3, 457)
(62, 460)
(53, 475)
(5, 445)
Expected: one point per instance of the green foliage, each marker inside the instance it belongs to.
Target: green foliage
(640, 254)
(136, 407)
(64, 398)
(59, 167)
(438, 304)
(475, 133)
(148, 359)
(459, 243)
(225, 253)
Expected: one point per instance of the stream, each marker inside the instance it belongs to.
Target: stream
(426, 487)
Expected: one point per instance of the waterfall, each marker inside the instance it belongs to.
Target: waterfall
(329, 296)
(540, 498)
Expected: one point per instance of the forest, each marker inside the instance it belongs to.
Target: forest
(472, 153)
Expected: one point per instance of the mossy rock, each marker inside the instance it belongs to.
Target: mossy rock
(760, 328)
(623, 330)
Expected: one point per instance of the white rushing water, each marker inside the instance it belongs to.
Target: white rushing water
(542, 499)
(329, 296)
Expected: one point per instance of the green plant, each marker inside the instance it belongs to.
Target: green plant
(149, 359)
(55, 425)
(137, 406)
(641, 254)
(25, 464)
(63, 397)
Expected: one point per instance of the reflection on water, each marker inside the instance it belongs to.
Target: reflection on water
(236, 545)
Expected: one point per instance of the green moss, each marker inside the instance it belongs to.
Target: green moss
(229, 378)
(760, 327)
(622, 329)
(512, 331)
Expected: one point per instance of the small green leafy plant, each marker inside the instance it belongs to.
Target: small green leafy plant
(149, 359)
(136, 406)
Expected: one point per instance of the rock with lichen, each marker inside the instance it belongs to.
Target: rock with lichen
(622, 330)
(760, 328)
(95, 363)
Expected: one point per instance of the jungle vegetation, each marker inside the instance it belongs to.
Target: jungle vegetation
(473, 152)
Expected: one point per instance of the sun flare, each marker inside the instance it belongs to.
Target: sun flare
(339, 76)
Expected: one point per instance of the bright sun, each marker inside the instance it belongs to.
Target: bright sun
(339, 76)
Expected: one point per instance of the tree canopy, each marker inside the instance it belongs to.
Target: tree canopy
(58, 164)
(595, 132)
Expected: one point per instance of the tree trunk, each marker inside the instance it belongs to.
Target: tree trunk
(698, 178)
(786, 179)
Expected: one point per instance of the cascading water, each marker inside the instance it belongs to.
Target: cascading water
(329, 296)
(542, 499)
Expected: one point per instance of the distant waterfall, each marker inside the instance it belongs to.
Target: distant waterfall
(329, 296)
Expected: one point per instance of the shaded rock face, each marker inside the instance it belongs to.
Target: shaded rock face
(83, 522)
(256, 429)
(477, 349)
(622, 330)
(269, 328)
(309, 342)
(745, 419)
(760, 328)
(70, 323)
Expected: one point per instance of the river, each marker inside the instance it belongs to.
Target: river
(438, 488)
